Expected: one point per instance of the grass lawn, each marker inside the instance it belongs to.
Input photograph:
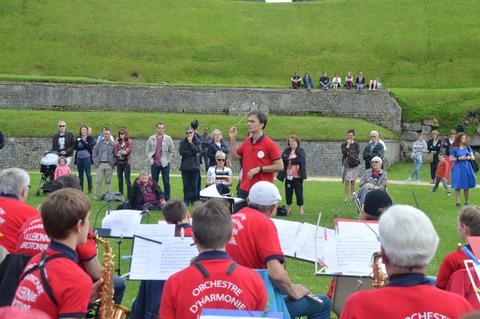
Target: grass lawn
(326, 198)
(142, 125)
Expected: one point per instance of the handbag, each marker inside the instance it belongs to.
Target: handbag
(474, 162)
(475, 165)
(281, 175)
(430, 157)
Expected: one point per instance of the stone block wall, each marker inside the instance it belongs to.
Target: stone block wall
(323, 158)
(377, 107)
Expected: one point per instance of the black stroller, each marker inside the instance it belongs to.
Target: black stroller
(48, 164)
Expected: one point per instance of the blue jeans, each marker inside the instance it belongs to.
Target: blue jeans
(325, 86)
(416, 171)
(309, 308)
(155, 171)
(190, 181)
(84, 165)
(123, 169)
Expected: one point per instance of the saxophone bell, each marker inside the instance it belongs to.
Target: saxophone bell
(380, 278)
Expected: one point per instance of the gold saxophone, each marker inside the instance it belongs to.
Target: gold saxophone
(379, 277)
(107, 309)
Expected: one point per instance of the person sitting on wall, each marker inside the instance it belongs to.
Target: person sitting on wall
(307, 81)
(296, 81)
(146, 194)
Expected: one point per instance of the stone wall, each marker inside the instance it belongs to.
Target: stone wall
(377, 107)
(323, 158)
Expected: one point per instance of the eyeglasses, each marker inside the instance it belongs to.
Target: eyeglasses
(188, 132)
(121, 133)
(375, 162)
(220, 159)
(61, 126)
(372, 136)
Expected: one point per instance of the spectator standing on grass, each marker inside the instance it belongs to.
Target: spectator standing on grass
(294, 172)
(206, 140)
(418, 149)
(159, 152)
(63, 141)
(463, 176)
(372, 149)
(434, 146)
(190, 165)
(83, 156)
(441, 174)
(351, 161)
(216, 145)
(104, 160)
(446, 144)
(123, 151)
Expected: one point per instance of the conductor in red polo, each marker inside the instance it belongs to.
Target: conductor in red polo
(261, 157)
(213, 280)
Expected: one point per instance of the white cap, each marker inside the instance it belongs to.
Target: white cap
(264, 193)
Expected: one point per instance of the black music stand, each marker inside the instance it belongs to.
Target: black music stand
(354, 200)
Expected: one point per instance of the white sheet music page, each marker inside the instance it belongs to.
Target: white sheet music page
(287, 233)
(122, 223)
(158, 259)
(356, 241)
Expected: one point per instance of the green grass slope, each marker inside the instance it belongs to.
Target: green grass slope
(427, 44)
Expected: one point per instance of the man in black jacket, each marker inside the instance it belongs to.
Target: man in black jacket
(63, 141)
(190, 166)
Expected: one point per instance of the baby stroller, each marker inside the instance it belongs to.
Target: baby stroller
(48, 164)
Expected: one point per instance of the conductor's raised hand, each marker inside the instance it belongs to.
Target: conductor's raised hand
(233, 132)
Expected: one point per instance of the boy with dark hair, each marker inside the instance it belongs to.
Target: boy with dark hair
(60, 288)
(175, 212)
(213, 280)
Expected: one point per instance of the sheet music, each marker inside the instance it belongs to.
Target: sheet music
(349, 251)
(122, 223)
(156, 231)
(287, 233)
(159, 259)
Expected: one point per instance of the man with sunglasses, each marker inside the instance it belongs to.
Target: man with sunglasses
(63, 141)
(372, 149)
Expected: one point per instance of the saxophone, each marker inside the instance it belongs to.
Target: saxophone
(379, 277)
(107, 309)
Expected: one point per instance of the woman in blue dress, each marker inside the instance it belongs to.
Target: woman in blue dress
(463, 176)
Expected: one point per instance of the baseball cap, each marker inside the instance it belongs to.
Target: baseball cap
(376, 201)
(264, 193)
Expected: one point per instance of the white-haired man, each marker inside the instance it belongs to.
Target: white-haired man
(372, 149)
(408, 243)
(373, 178)
(14, 188)
(255, 244)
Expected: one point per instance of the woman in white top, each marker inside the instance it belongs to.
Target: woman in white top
(337, 81)
(220, 175)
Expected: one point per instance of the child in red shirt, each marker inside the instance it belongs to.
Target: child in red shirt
(441, 175)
